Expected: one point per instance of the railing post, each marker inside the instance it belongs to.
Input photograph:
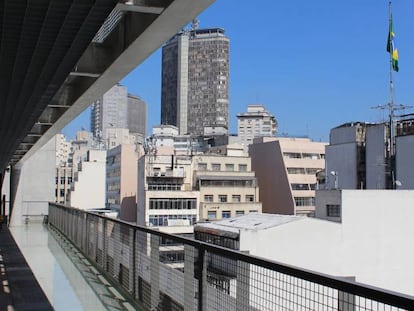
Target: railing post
(202, 278)
(346, 301)
(243, 286)
(104, 247)
(131, 264)
(135, 266)
(97, 240)
(86, 234)
(189, 291)
(155, 271)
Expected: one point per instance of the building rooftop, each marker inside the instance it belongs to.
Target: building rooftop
(251, 221)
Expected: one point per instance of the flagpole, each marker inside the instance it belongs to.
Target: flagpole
(391, 103)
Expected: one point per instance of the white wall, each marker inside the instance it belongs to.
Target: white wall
(374, 243)
(33, 184)
(89, 189)
(379, 236)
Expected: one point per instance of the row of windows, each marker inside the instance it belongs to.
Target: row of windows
(302, 170)
(333, 210)
(162, 220)
(164, 187)
(235, 198)
(303, 186)
(212, 215)
(172, 203)
(113, 187)
(299, 155)
(229, 167)
(115, 172)
(227, 183)
(63, 179)
(305, 201)
(61, 192)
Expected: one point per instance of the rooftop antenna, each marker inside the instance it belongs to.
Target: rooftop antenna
(194, 25)
(393, 60)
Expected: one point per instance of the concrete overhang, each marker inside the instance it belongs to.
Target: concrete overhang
(58, 57)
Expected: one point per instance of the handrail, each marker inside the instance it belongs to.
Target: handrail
(380, 295)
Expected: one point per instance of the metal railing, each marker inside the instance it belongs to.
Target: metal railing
(159, 271)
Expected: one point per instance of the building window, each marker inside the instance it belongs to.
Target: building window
(292, 155)
(222, 198)
(202, 166)
(296, 170)
(211, 215)
(239, 213)
(162, 220)
(235, 198)
(225, 214)
(312, 171)
(300, 186)
(242, 167)
(172, 203)
(215, 167)
(253, 211)
(305, 201)
(229, 167)
(333, 210)
(311, 156)
(208, 198)
(249, 198)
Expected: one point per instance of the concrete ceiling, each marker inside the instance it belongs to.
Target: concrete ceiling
(58, 56)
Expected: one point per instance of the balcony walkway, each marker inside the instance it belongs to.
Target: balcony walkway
(45, 272)
(19, 288)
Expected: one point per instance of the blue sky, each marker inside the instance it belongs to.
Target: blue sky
(313, 64)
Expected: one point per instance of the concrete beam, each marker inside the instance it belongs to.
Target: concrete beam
(136, 37)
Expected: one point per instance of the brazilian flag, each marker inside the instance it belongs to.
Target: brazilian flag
(391, 48)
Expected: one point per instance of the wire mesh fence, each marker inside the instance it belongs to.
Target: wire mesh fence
(159, 271)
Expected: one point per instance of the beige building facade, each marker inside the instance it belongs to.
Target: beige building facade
(227, 185)
(176, 191)
(256, 122)
(166, 198)
(286, 169)
(121, 180)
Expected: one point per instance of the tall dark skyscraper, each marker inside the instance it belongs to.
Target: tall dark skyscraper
(195, 80)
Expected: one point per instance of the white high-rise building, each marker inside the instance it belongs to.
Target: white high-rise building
(62, 150)
(256, 122)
